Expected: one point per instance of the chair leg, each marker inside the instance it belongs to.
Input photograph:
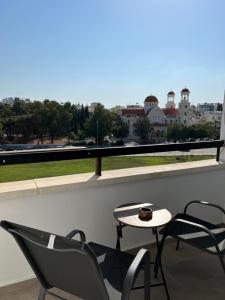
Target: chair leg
(178, 244)
(42, 294)
(164, 281)
(147, 279)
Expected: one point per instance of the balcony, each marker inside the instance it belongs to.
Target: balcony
(86, 201)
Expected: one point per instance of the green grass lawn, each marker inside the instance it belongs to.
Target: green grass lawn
(67, 167)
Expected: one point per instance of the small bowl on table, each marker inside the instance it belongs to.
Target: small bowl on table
(145, 213)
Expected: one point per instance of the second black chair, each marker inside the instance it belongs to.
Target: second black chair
(197, 232)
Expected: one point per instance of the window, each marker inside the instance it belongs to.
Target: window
(184, 121)
(185, 113)
(185, 106)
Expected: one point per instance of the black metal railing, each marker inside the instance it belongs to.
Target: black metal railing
(33, 156)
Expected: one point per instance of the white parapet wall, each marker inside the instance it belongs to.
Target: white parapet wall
(86, 202)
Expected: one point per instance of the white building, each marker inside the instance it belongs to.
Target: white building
(213, 116)
(130, 117)
(195, 119)
(152, 112)
(203, 107)
(185, 108)
(158, 117)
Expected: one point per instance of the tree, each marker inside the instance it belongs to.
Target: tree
(58, 120)
(64, 121)
(39, 120)
(19, 107)
(86, 112)
(99, 124)
(74, 126)
(120, 129)
(1, 131)
(211, 129)
(9, 127)
(23, 127)
(174, 132)
(142, 129)
(82, 117)
(5, 110)
(196, 131)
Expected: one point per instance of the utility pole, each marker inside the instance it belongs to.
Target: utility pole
(97, 133)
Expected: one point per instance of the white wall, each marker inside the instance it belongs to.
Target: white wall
(90, 209)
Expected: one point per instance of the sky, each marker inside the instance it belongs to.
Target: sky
(116, 52)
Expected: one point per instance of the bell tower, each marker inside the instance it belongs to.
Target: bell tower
(185, 108)
(170, 100)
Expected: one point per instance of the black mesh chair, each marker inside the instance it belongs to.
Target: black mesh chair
(197, 232)
(87, 270)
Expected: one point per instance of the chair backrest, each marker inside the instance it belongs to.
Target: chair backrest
(60, 262)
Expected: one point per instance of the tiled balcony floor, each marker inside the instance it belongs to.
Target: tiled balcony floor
(190, 274)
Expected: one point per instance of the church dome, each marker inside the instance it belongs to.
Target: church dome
(171, 93)
(185, 91)
(151, 99)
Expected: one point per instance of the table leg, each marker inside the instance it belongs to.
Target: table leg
(158, 263)
(155, 232)
(119, 236)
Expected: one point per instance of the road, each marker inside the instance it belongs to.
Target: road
(210, 151)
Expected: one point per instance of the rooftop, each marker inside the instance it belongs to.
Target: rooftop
(171, 111)
(133, 111)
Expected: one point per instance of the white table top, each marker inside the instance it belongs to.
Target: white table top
(128, 214)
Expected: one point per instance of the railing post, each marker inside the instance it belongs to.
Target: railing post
(218, 154)
(98, 170)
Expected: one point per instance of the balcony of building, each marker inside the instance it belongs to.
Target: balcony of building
(86, 201)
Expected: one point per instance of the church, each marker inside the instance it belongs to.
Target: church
(159, 118)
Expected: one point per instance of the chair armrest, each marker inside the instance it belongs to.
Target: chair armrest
(77, 231)
(141, 259)
(199, 226)
(203, 203)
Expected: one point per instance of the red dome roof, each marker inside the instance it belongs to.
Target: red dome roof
(185, 91)
(151, 99)
(171, 93)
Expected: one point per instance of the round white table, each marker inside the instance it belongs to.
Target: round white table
(128, 215)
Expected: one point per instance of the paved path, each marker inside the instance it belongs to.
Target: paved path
(210, 151)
